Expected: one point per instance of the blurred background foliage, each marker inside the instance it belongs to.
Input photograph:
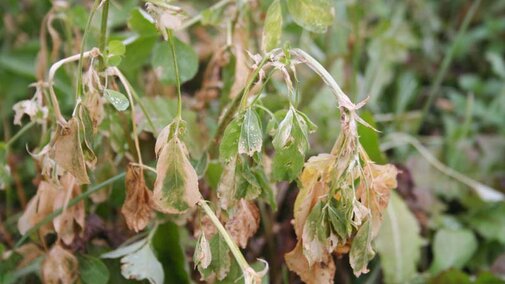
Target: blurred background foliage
(437, 229)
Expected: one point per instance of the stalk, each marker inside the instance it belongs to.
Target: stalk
(177, 76)
(103, 33)
(19, 133)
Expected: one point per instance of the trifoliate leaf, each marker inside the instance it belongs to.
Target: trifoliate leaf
(312, 15)
(272, 29)
(361, 250)
(452, 249)
(117, 99)
(251, 137)
(399, 243)
(176, 185)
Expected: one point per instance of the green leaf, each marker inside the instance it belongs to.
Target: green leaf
(116, 47)
(163, 62)
(142, 23)
(117, 99)
(272, 29)
(340, 216)
(92, 270)
(369, 139)
(452, 249)
(489, 221)
(361, 250)
(399, 243)
(312, 15)
(251, 137)
(220, 264)
(167, 246)
(229, 144)
(138, 52)
(287, 163)
(452, 276)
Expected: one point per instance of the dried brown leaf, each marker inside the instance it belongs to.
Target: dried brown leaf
(39, 207)
(67, 150)
(59, 266)
(72, 220)
(319, 273)
(137, 207)
(244, 222)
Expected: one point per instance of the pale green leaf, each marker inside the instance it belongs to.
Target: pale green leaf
(116, 47)
(399, 242)
(163, 62)
(361, 250)
(452, 249)
(228, 148)
(312, 15)
(92, 270)
(272, 29)
(117, 99)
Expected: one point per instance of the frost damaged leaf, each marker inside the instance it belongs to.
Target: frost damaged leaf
(137, 207)
(138, 262)
(244, 222)
(221, 262)
(202, 256)
(59, 266)
(312, 15)
(251, 137)
(72, 220)
(67, 151)
(176, 185)
(380, 180)
(272, 29)
(361, 250)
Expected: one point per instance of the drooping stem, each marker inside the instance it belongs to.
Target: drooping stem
(71, 203)
(242, 262)
(177, 75)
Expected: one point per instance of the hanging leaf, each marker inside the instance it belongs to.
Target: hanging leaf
(67, 150)
(228, 148)
(176, 185)
(117, 99)
(220, 264)
(272, 28)
(312, 15)
(399, 243)
(59, 266)
(163, 62)
(92, 270)
(137, 207)
(315, 232)
(251, 137)
(448, 249)
(320, 272)
(138, 262)
(39, 207)
(244, 222)
(361, 250)
(202, 256)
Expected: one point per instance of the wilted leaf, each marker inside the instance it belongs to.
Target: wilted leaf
(313, 15)
(315, 232)
(202, 256)
(220, 264)
(117, 99)
(39, 207)
(272, 28)
(319, 273)
(399, 243)
(137, 207)
(59, 266)
(361, 249)
(227, 185)
(251, 138)
(176, 185)
(376, 190)
(67, 150)
(244, 222)
(138, 262)
(92, 270)
(162, 62)
(94, 104)
(452, 249)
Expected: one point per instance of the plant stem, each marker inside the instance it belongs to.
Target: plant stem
(103, 34)
(231, 244)
(19, 133)
(177, 76)
(71, 203)
(199, 17)
(435, 86)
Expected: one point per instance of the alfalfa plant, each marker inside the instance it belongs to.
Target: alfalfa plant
(342, 193)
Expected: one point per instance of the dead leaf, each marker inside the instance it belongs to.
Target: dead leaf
(39, 207)
(244, 222)
(378, 183)
(319, 273)
(67, 150)
(137, 207)
(72, 220)
(94, 104)
(59, 266)
(203, 255)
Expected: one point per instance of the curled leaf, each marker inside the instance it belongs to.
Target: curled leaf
(72, 220)
(39, 207)
(59, 266)
(137, 207)
(202, 256)
(244, 222)
(319, 273)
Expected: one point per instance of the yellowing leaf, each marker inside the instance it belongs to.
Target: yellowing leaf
(272, 29)
(361, 250)
(67, 151)
(59, 266)
(176, 185)
(137, 207)
(244, 222)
